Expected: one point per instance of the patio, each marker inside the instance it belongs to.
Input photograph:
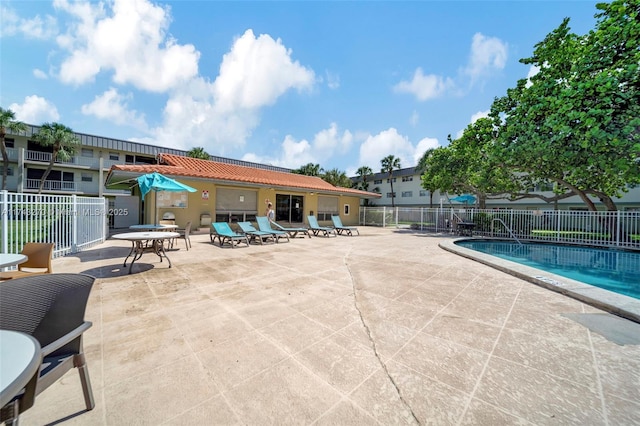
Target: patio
(381, 328)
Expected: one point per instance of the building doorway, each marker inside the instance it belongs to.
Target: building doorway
(289, 208)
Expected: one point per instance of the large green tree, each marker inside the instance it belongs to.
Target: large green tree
(389, 164)
(577, 121)
(8, 122)
(63, 143)
(198, 152)
(466, 165)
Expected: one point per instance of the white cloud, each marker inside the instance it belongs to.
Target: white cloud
(533, 70)
(387, 142)
(114, 107)
(325, 144)
(131, 40)
(422, 147)
(39, 74)
(487, 55)
(474, 118)
(33, 28)
(256, 72)
(333, 80)
(424, 87)
(415, 118)
(35, 110)
(220, 116)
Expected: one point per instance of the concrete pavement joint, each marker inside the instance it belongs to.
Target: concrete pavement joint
(373, 343)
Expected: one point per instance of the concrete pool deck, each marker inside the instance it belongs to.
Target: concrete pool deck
(382, 328)
(618, 304)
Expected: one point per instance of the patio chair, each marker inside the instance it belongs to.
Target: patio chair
(51, 309)
(225, 234)
(317, 229)
(39, 261)
(265, 225)
(340, 228)
(184, 234)
(255, 235)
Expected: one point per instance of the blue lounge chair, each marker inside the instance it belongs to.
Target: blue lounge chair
(340, 228)
(265, 225)
(225, 234)
(254, 235)
(317, 229)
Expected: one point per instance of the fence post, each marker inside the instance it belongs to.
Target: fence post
(4, 233)
(74, 224)
(421, 219)
(384, 216)
(618, 228)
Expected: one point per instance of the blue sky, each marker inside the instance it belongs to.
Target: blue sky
(336, 83)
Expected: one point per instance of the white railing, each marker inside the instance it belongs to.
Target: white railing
(72, 223)
(601, 228)
(88, 162)
(51, 185)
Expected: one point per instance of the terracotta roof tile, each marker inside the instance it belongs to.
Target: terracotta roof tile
(176, 165)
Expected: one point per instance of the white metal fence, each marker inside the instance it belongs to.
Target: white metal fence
(601, 228)
(72, 223)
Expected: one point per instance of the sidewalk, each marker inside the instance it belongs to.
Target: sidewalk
(382, 328)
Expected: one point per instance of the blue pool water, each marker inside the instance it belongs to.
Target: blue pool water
(613, 270)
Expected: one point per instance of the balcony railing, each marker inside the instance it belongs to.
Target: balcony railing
(51, 185)
(12, 154)
(84, 162)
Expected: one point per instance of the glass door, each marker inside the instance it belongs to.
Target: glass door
(289, 208)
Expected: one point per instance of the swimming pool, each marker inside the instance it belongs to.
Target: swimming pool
(613, 270)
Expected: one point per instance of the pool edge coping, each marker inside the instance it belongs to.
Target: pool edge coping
(618, 304)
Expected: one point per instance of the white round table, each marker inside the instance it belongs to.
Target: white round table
(20, 360)
(11, 259)
(142, 242)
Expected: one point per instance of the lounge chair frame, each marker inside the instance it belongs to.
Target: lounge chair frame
(317, 229)
(257, 235)
(264, 224)
(225, 234)
(340, 228)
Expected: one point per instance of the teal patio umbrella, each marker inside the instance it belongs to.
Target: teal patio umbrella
(464, 199)
(157, 182)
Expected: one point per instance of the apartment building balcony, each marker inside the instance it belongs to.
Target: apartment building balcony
(51, 186)
(77, 161)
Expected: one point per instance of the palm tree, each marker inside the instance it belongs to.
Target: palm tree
(62, 141)
(337, 178)
(8, 122)
(198, 152)
(309, 169)
(389, 164)
(363, 173)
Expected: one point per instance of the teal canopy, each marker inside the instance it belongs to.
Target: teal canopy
(157, 182)
(465, 198)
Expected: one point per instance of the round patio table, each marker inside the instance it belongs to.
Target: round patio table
(8, 259)
(20, 360)
(142, 242)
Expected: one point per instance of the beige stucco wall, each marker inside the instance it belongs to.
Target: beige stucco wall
(197, 205)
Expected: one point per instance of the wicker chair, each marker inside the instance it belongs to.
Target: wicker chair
(51, 309)
(39, 261)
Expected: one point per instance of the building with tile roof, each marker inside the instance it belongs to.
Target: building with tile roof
(232, 192)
